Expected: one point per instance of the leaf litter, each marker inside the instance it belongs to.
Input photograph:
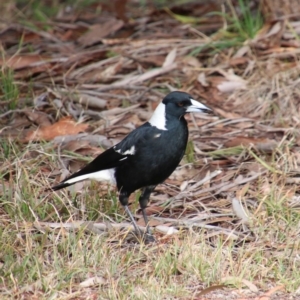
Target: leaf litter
(94, 80)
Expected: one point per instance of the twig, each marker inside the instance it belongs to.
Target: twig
(59, 157)
(11, 112)
(80, 224)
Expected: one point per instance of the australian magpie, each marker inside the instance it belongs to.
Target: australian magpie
(146, 156)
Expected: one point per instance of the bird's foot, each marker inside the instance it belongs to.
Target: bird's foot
(144, 237)
(148, 238)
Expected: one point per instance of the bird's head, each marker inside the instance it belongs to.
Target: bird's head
(176, 104)
(180, 103)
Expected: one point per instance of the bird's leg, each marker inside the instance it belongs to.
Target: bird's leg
(123, 197)
(132, 218)
(143, 200)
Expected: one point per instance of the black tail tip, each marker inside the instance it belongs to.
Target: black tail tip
(57, 187)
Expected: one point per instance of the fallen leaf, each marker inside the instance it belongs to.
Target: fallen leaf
(166, 229)
(239, 210)
(98, 31)
(37, 117)
(268, 294)
(146, 76)
(233, 82)
(64, 126)
(202, 79)
(211, 289)
(184, 185)
(152, 223)
(269, 36)
(241, 52)
(226, 114)
(235, 61)
(108, 73)
(170, 58)
(75, 145)
(12, 34)
(261, 144)
(154, 209)
(156, 60)
(94, 140)
(90, 101)
(230, 86)
(21, 61)
(96, 280)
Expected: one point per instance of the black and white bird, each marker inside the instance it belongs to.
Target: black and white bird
(145, 157)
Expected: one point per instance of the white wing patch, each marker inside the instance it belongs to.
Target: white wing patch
(104, 175)
(130, 151)
(158, 118)
(157, 135)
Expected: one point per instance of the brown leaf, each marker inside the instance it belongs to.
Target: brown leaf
(119, 130)
(98, 31)
(120, 9)
(269, 36)
(227, 114)
(21, 61)
(108, 73)
(156, 60)
(232, 82)
(235, 61)
(134, 79)
(94, 140)
(64, 126)
(268, 294)
(12, 34)
(154, 209)
(262, 144)
(152, 223)
(37, 117)
(75, 145)
(90, 101)
(211, 289)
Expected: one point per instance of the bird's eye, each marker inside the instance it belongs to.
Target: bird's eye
(180, 104)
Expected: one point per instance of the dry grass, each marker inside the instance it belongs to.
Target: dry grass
(227, 220)
(212, 245)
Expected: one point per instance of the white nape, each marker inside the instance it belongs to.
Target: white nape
(104, 175)
(158, 118)
(196, 106)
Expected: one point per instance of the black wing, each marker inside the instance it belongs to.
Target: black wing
(112, 157)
